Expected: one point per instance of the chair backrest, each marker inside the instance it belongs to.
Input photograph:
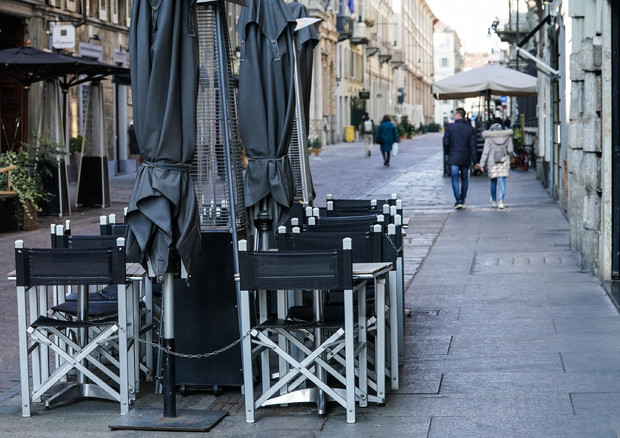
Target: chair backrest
(84, 241)
(276, 270)
(348, 223)
(366, 245)
(109, 227)
(67, 266)
(362, 202)
(113, 230)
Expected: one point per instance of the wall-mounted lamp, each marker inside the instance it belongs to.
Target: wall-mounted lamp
(359, 33)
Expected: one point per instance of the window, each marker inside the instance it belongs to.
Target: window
(114, 10)
(444, 62)
(103, 10)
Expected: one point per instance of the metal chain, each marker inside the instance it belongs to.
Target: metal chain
(398, 250)
(184, 355)
(204, 355)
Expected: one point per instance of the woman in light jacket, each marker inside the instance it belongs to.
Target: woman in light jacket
(495, 159)
(386, 136)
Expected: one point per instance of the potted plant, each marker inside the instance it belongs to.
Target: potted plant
(314, 146)
(26, 177)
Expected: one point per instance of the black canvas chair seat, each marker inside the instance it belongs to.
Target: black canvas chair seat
(108, 293)
(96, 309)
(45, 321)
(306, 324)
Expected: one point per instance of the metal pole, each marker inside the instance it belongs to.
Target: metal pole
(517, 33)
(223, 69)
(169, 384)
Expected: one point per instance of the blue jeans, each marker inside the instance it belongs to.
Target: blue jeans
(502, 188)
(460, 193)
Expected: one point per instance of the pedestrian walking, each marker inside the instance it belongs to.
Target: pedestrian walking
(459, 145)
(495, 159)
(386, 136)
(367, 128)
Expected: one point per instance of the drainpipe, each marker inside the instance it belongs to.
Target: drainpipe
(615, 142)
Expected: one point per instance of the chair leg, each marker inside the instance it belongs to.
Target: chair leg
(394, 335)
(122, 347)
(23, 351)
(400, 280)
(246, 346)
(350, 356)
(380, 339)
(362, 360)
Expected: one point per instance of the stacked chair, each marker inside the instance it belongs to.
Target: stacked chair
(354, 215)
(98, 313)
(309, 316)
(92, 345)
(319, 272)
(366, 248)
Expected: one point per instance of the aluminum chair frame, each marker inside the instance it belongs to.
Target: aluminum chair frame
(366, 247)
(40, 334)
(261, 271)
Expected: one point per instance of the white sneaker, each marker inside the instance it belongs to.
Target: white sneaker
(493, 203)
(500, 205)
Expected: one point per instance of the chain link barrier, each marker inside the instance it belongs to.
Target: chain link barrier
(212, 353)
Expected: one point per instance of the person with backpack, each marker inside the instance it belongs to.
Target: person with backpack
(367, 128)
(496, 159)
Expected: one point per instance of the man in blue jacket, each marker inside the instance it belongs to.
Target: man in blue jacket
(459, 145)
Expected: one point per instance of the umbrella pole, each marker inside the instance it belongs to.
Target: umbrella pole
(169, 383)
(186, 420)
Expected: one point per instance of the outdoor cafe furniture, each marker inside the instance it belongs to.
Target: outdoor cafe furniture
(319, 271)
(393, 246)
(142, 306)
(366, 249)
(90, 344)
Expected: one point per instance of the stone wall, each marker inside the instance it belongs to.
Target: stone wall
(584, 154)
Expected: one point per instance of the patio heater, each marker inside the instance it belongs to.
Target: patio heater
(54, 174)
(209, 303)
(298, 149)
(93, 186)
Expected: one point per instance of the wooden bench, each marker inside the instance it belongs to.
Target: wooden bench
(8, 190)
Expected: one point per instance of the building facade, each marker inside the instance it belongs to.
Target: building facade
(101, 31)
(574, 49)
(418, 53)
(448, 61)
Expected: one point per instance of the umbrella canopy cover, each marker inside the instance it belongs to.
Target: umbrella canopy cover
(163, 213)
(490, 78)
(29, 65)
(267, 99)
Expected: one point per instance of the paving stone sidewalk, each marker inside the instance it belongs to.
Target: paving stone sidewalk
(506, 338)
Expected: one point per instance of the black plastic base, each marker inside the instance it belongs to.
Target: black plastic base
(188, 420)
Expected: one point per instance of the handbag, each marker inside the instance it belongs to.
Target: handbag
(395, 149)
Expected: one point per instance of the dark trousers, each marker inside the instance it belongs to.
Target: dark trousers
(386, 157)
